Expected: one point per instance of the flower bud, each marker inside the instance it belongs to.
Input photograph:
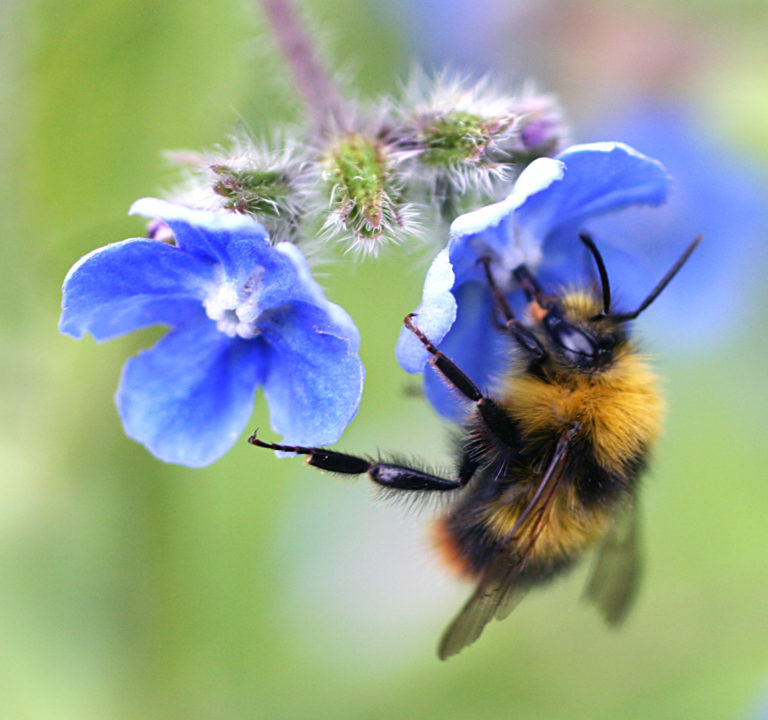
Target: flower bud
(364, 196)
(256, 191)
(249, 179)
(459, 138)
(454, 127)
(541, 130)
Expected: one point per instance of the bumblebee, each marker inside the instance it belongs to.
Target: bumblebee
(547, 469)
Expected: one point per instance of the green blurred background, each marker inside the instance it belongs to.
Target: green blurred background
(257, 588)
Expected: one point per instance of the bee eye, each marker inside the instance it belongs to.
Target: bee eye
(578, 346)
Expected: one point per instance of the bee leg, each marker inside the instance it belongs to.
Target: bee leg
(452, 372)
(524, 337)
(531, 287)
(499, 299)
(495, 418)
(546, 489)
(397, 477)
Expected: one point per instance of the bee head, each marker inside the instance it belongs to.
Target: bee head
(580, 330)
(577, 338)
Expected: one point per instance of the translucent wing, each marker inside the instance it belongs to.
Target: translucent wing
(616, 573)
(502, 585)
(496, 595)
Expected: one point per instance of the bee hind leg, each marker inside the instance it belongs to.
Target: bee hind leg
(389, 475)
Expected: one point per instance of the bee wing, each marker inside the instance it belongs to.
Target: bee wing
(499, 590)
(616, 573)
(496, 595)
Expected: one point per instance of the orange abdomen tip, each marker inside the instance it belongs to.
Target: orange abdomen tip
(448, 551)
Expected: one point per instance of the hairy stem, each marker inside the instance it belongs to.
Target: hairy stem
(320, 94)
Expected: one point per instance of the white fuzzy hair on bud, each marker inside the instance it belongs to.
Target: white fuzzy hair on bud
(455, 124)
(379, 173)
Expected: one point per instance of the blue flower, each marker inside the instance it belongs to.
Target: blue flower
(243, 313)
(719, 193)
(536, 225)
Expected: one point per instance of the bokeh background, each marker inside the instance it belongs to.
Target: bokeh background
(257, 588)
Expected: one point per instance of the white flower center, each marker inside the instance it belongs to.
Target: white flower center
(521, 249)
(234, 308)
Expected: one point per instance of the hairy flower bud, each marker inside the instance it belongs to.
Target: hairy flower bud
(255, 191)
(364, 195)
(454, 128)
(466, 135)
(248, 179)
(459, 138)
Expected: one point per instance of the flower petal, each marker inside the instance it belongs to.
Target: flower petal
(569, 263)
(241, 247)
(539, 175)
(719, 193)
(315, 377)
(298, 284)
(477, 348)
(237, 243)
(490, 230)
(598, 178)
(434, 316)
(221, 236)
(132, 284)
(189, 397)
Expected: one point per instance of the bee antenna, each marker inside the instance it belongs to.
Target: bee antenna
(586, 238)
(661, 285)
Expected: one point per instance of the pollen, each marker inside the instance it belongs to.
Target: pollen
(537, 312)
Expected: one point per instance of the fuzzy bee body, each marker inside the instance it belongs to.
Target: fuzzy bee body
(548, 468)
(615, 412)
(618, 415)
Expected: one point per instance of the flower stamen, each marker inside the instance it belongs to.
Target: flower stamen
(233, 309)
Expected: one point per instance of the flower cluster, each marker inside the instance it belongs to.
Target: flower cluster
(444, 145)
(224, 267)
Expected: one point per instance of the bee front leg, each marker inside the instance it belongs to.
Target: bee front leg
(497, 421)
(388, 475)
(522, 335)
